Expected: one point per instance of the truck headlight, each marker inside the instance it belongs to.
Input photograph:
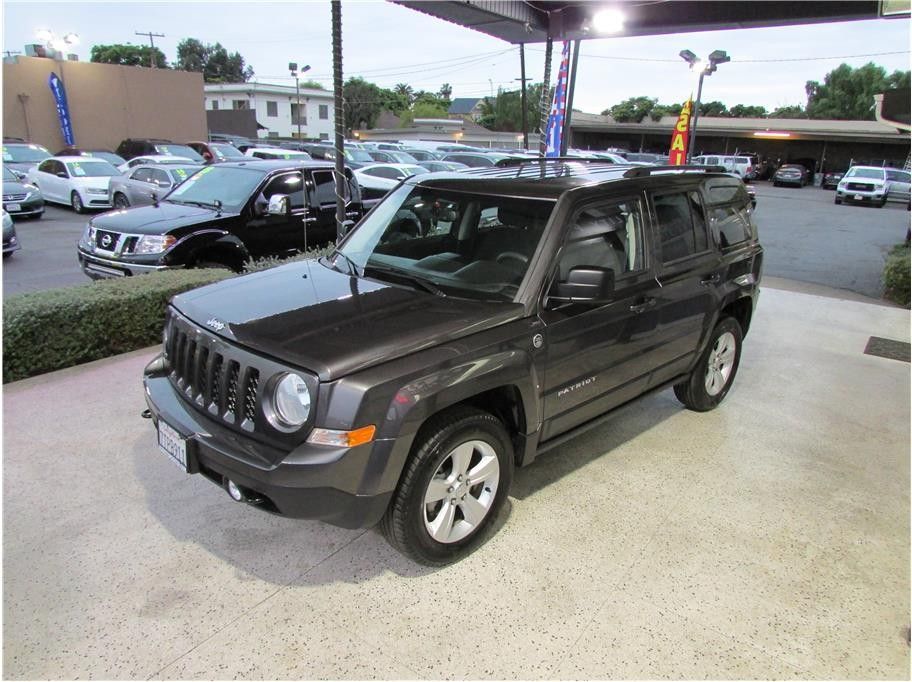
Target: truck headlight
(290, 404)
(88, 237)
(154, 243)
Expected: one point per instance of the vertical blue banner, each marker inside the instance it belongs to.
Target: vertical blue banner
(63, 111)
(555, 129)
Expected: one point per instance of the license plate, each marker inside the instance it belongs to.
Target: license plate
(14, 207)
(858, 197)
(172, 444)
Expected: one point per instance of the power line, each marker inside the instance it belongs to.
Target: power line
(152, 52)
(742, 61)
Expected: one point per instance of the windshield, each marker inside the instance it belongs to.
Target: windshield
(25, 153)
(110, 157)
(181, 173)
(873, 173)
(231, 186)
(91, 169)
(358, 155)
(226, 151)
(179, 150)
(457, 244)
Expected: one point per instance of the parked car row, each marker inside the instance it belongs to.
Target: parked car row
(873, 185)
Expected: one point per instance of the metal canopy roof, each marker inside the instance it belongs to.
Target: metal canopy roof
(534, 21)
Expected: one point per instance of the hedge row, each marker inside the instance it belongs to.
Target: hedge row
(49, 330)
(896, 275)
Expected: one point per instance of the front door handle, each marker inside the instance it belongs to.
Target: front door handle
(712, 279)
(643, 306)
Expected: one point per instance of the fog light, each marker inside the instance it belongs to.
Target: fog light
(235, 492)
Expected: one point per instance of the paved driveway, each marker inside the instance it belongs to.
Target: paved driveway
(768, 539)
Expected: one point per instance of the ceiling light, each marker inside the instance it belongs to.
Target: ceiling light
(608, 20)
(771, 133)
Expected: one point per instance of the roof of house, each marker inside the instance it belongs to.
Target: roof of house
(463, 105)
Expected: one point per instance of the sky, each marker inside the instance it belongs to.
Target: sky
(389, 44)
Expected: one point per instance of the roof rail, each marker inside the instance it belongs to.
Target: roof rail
(518, 160)
(643, 171)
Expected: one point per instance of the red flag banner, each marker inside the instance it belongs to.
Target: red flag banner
(680, 136)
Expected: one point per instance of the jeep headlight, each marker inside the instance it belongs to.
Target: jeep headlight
(290, 404)
(154, 243)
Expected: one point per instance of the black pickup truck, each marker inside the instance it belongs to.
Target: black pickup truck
(470, 322)
(222, 215)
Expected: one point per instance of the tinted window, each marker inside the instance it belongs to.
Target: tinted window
(701, 242)
(47, 166)
(288, 183)
(607, 236)
(726, 190)
(384, 172)
(730, 224)
(676, 226)
(898, 176)
(142, 175)
(325, 188)
(160, 178)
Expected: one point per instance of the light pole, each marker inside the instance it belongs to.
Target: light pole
(703, 68)
(293, 67)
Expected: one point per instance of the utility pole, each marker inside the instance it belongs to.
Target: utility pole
(151, 42)
(9, 53)
(523, 79)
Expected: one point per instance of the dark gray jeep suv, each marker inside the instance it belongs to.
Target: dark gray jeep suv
(470, 322)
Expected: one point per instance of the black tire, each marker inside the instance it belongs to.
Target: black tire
(693, 392)
(883, 202)
(8, 254)
(837, 200)
(405, 524)
(76, 202)
(120, 201)
(775, 184)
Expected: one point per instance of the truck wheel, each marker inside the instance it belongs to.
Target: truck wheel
(76, 202)
(837, 200)
(714, 374)
(453, 486)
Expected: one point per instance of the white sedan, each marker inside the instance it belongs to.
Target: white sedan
(151, 159)
(277, 153)
(78, 181)
(377, 179)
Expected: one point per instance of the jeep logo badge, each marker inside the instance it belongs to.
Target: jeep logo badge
(217, 325)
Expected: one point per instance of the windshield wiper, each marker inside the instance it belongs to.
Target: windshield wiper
(216, 206)
(422, 282)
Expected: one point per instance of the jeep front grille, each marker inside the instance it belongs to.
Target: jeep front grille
(213, 382)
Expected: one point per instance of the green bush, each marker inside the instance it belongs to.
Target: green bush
(49, 330)
(273, 261)
(896, 275)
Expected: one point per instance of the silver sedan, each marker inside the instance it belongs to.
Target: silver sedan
(138, 185)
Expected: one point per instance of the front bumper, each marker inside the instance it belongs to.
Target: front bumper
(24, 209)
(98, 267)
(10, 245)
(788, 181)
(861, 196)
(310, 482)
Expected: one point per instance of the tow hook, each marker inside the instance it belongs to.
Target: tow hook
(146, 414)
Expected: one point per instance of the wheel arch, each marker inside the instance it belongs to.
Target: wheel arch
(210, 245)
(742, 310)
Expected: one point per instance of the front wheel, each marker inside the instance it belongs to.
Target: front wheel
(76, 202)
(455, 482)
(837, 200)
(121, 202)
(714, 374)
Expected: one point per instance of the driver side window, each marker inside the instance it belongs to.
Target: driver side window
(605, 235)
(290, 184)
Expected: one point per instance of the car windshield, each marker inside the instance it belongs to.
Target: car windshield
(402, 157)
(91, 169)
(230, 186)
(181, 173)
(25, 153)
(226, 151)
(358, 155)
(873, 173)
(8, 175)
(450, 243)
(110, 157)
(179, 150)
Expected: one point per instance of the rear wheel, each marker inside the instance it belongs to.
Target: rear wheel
(76, 202)
(455, 482)
(711, 379)
(120, 201)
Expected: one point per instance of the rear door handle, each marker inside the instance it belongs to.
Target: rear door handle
(712, 279)
(643, 306)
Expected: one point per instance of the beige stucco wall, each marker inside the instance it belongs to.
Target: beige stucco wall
(107, 103)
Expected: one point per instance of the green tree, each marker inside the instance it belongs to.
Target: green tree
(631, 110)
(713, 109)
(503, 113)
(789, 111)
(660, 110)
(363, 102)
(128, 55)
(404, 89)
(848, 94)
(215, 62)
(312, 85)
(445, 92)
(747, 111)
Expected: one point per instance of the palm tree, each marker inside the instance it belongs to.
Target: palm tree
(445, 91)
(404, 89)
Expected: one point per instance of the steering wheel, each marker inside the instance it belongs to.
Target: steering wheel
(514, 256)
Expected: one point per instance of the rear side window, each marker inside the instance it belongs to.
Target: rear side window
(728, 203)
(682, 224)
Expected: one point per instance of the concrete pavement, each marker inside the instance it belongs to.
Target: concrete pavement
(766, 539)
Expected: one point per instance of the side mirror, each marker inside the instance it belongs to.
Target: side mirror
(347, 226)
(278, 205)
(585, 284)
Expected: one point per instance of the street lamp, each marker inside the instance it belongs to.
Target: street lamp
(293, 67)
(708, 67)
(57, 43)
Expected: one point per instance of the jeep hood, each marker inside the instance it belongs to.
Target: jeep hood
(331, 323)
(159, 219)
